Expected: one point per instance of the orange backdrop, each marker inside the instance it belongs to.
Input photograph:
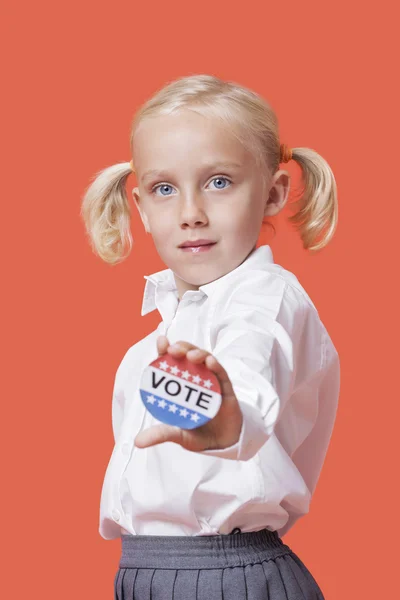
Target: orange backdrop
(73, 75)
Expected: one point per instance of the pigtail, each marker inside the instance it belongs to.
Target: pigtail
(317, 207)
(106, 213)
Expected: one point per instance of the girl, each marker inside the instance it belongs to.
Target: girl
(201, 512)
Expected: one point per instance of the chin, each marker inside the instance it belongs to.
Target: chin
(200, 276)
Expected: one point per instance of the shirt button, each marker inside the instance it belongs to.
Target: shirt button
(116, 514)
(125, 448)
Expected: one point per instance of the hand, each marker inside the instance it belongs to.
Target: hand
(220, 432)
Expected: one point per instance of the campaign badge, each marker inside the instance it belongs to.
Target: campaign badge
(178, 392)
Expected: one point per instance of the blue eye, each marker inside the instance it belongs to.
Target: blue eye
(218, 179)
(165, 186)
(162, 186)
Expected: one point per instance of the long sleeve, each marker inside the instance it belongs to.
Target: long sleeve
(262, 346)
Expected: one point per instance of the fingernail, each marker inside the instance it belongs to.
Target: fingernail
(195, 352)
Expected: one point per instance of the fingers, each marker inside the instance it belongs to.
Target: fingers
(180, 349)
(193, 353)
(197, 355)
(162, 344)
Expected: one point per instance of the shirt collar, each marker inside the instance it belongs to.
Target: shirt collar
(165, 279)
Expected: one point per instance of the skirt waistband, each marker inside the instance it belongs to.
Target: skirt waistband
(200, 552)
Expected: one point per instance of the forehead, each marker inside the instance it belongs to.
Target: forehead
(184, 135)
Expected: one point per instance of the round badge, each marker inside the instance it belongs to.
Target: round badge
(179, 392)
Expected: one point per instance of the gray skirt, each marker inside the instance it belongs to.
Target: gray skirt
(255, 565)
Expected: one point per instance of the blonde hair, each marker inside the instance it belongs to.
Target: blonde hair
(105, 208)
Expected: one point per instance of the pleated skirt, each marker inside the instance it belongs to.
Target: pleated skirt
(238, 566)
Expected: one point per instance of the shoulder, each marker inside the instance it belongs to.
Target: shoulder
(271, 291)
(269, 301)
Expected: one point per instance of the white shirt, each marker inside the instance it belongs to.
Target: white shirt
(263, 328)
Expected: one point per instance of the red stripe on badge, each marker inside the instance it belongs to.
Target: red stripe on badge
(183, 369)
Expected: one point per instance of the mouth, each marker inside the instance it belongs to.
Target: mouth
(197, 247)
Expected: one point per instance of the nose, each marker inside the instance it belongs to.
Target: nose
(192, 210)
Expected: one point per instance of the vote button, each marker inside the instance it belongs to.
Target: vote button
(178, 392)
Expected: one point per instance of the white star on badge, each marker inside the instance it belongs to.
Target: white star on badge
(183, 412)
(207, 383)
(185, 374)
(162, 403)
(174, 370)
(151, 399)
(196, 378)
(173, 408)
(195, 417)
(164, 365)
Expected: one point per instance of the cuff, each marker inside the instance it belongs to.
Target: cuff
(253, 436)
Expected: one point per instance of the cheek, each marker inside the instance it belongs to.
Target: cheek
(245, 223)
(242, 213)
(162, 227)
(159, 218)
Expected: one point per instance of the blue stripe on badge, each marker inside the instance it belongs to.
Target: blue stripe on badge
(171, 413)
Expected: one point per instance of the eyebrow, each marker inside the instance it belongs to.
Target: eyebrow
(217, 165)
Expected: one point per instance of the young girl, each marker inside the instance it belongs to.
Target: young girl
(201, 512)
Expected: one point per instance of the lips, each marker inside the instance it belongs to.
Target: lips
(196, 243)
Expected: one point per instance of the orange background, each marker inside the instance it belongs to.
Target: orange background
(73, 76)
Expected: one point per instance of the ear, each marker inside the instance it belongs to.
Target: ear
(136, 199)
(278, 193)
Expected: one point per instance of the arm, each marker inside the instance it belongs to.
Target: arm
(259, 349)
(254, 352)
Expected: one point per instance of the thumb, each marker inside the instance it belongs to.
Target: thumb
(159, 434)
